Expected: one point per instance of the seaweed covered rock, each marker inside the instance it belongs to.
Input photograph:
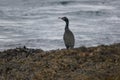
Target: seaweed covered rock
(92, 63)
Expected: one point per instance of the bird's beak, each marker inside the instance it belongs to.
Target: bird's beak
(59, 18)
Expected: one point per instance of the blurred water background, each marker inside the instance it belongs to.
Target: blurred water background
(35, 23)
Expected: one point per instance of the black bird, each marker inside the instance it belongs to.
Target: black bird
(68, 36)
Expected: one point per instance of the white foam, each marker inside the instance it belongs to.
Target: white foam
(2, 36)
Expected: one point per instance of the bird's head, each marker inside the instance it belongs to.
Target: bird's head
(64, 19)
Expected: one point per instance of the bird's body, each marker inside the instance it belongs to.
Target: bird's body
(68, 36)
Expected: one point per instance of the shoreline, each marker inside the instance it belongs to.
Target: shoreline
(83, 63)
(2, 50)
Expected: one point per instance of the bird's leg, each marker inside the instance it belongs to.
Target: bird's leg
(67, 47)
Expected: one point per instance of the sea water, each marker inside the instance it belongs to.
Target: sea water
(35, 23)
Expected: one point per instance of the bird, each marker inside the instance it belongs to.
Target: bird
(68, 37)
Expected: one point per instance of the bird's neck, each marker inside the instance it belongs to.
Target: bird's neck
(67, 25)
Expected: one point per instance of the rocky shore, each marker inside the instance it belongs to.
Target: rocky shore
(92, 63)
